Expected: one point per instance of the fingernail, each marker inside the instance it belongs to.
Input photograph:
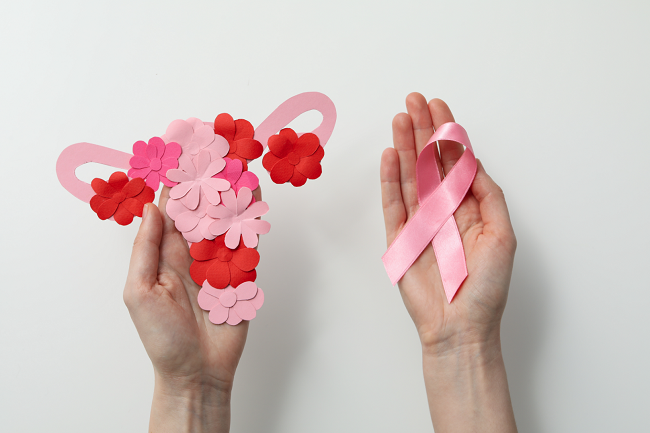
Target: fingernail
(144, 211)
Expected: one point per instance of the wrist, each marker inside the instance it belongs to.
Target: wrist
(466, 384)
(484, 341)
(181, 405)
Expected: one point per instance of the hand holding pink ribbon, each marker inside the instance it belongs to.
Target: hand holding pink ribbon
(434, 221)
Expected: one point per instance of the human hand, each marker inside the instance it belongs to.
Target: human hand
(194, 360)
(474, 316)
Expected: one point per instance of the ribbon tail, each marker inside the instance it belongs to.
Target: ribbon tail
(450, 255)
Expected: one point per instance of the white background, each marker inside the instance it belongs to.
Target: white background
(554, 96)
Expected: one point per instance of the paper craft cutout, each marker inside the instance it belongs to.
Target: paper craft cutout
(194, 135)
(236, 217)
(151, 161)
(238, 178)
(293, 159)
(434, 222)
(120, 198)
(193, 224)
(232, 304)
(189, 158)
(222, 266)
(239, 133)
(196, 177)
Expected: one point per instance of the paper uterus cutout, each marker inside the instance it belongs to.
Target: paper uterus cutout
(210, 201)
(434, 221)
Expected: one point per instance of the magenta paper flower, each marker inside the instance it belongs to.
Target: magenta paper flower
(193, 136)
(237, 217)
(238, 178)
(151, 161)
(231, 305)
(195, 177)
(193, 224)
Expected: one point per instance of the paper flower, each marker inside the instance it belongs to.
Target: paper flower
(120, 197)
(238, 178)
(231, 305)
(239, 134)
(193, 136)
(151, 161)
(195, 177)
(236, 217)
(292, 158)
(220, 265)
(193, 224)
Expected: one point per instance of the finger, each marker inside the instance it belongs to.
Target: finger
(450, 151)
(143, 268)
(391, 194)
(168, 223)
(416, 106)
(174, 250)
(404, 143)
(492, 203)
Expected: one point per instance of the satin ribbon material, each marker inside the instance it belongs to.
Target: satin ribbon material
(434, 222)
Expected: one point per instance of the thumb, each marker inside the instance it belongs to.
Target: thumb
(492, 204)
(143, 268)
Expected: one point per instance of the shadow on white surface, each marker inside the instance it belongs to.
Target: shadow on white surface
(524, 331)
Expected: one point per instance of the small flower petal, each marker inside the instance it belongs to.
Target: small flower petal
(140, 148)
(219, 314)
(282, 172)
(246, 291)
(180, 190)
(245, 310)
(243, 129)
(134, 187)
(123, 216)
(107, 209)
(233, 235)
(258, 300)
(207, 301)
(233, 317)
(224, 125)
(139, 162)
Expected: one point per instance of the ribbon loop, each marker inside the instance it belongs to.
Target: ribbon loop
(434, 222)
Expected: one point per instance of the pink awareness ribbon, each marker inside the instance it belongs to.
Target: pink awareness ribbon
(434, 221)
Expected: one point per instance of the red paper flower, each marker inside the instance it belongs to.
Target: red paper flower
(120, 197)
(239, 134)
(292, 158)
(220, 265)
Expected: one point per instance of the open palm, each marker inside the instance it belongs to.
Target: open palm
(483, 223)
(162, 299)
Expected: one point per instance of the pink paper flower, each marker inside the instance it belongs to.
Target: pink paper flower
(193, 136)
(237, 217)
(151, 161)
(193, 224)
(195, 177)
(238, 178)
(231, 305)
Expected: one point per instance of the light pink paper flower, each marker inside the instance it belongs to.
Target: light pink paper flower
(231, 305)
(238, 178)
(193, 136)
(193, 224)
(151, 161)
(237, 217)
(195, 177)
